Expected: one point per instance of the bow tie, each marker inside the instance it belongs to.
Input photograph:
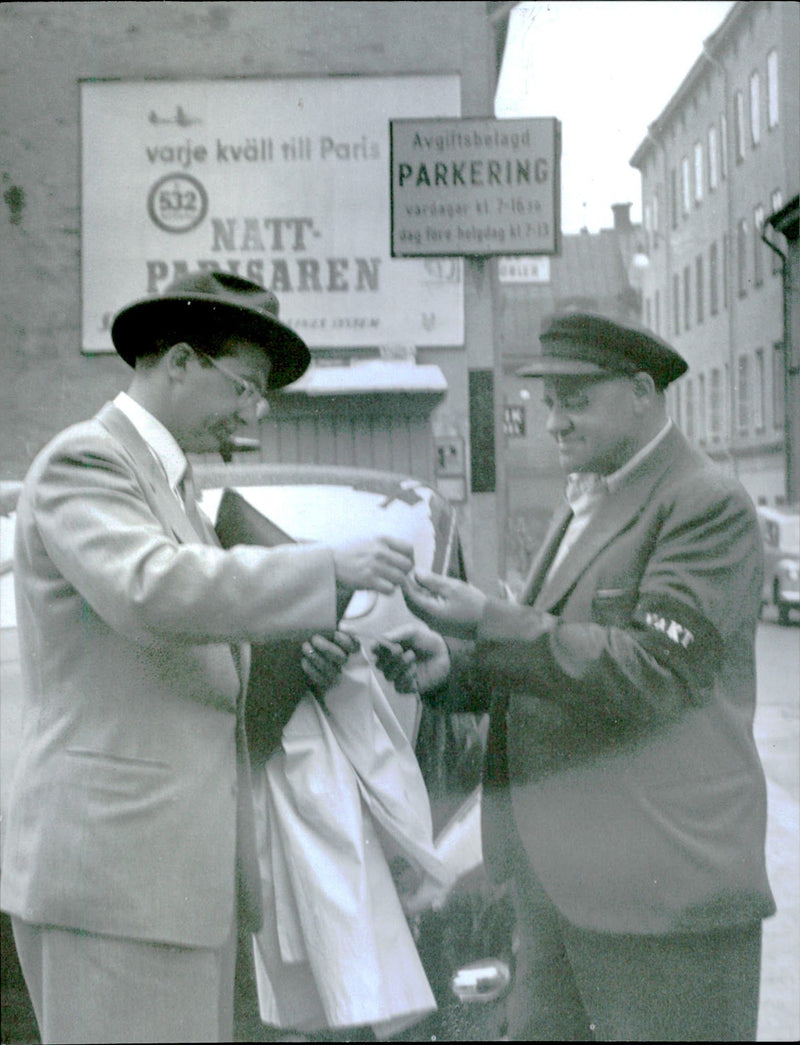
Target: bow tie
(583, 487)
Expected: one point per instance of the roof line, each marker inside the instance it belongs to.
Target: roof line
(711, 44)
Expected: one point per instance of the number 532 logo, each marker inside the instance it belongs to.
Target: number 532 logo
(177, 203)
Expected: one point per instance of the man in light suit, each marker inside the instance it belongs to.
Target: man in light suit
(129, 850)
(623, 793)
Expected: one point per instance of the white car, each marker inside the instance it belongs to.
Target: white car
(780, 536)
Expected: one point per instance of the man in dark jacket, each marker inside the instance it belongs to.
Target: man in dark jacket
(623, 793)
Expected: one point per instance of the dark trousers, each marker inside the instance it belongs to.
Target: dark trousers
(574, 984)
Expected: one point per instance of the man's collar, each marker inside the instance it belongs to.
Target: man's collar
(616, 479)
(158, 437)
(583, 488)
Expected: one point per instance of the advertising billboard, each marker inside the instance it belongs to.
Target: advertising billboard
(284, 182)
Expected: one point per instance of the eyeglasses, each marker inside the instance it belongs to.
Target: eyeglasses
(247, 392)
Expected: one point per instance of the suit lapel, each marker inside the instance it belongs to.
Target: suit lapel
(543, 558)
(614, 514)
(165, 504)
(161, 497)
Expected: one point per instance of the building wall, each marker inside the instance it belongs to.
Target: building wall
(47, 48)
(712, 287)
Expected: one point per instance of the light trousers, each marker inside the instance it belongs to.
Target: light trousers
(88, 988)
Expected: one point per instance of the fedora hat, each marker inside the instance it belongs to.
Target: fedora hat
(575, 343)
(217, 301)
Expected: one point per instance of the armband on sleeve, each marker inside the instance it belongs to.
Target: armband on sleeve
(679, 637)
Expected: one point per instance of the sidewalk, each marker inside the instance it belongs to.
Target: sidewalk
(779, 1008)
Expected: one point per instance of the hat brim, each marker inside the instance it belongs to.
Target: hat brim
(134, 328)
(563, 367)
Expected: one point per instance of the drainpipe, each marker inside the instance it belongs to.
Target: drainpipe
(663, 214)
(728, 260)
(788, 448)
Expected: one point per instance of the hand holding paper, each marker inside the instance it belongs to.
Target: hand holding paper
(445, 604)
(378, 564)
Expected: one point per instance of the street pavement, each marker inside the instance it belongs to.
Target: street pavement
(777, 733)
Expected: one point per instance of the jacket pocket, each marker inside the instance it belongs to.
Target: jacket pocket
(105, 759)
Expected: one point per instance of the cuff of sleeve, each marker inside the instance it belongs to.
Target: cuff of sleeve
(503, 620)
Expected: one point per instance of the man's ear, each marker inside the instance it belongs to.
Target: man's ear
(178, 357)
(643, 385)
(644, 391)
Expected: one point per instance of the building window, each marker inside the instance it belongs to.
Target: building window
(713, 172)
(676, 404)
(715, 405)
(647, 314)
(778, 387)
(755, 108)
(758, 391)
(744, 397)
(673, 197)
(758, 245)
(738, 125)
(741, 257)
(689, 405)
(648, 225)
(685, 187)
(725, 263)
(658, 312)
(687, 297)
(676, 304)
(656, 219)
(702, 431)
(713, 279)
(727, 400)
(698, 172)
(772, 89)
(698, 288)
(723, 145)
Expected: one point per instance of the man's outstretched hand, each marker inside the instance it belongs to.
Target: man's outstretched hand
(413, 658)
(445, 604)
(376, 564)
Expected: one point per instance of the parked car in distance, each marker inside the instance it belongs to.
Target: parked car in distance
(780, 535)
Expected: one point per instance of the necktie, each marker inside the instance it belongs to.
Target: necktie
(188, 492)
